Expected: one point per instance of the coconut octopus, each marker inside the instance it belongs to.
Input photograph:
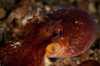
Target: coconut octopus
(62, 33)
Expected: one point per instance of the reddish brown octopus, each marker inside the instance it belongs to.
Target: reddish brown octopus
(72, 30)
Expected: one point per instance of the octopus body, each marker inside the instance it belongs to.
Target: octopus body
(62, 33)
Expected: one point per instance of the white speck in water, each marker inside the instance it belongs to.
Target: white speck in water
(76, 22)
(72, 51)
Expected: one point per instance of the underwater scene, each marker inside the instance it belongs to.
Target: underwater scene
(49, 32)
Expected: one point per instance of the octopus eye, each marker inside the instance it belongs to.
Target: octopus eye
(52, 50)
(56, 33)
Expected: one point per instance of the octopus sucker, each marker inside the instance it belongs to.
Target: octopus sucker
(89, 62)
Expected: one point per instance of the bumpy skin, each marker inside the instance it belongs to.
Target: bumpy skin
(28, 50)
(75, 25)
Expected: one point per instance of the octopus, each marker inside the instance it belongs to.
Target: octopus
(62, 33)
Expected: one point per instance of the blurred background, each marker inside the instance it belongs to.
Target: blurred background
(12, 11)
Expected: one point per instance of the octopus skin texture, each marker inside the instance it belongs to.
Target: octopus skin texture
(62, 33)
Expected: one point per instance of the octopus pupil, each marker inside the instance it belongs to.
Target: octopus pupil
(54, 34)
